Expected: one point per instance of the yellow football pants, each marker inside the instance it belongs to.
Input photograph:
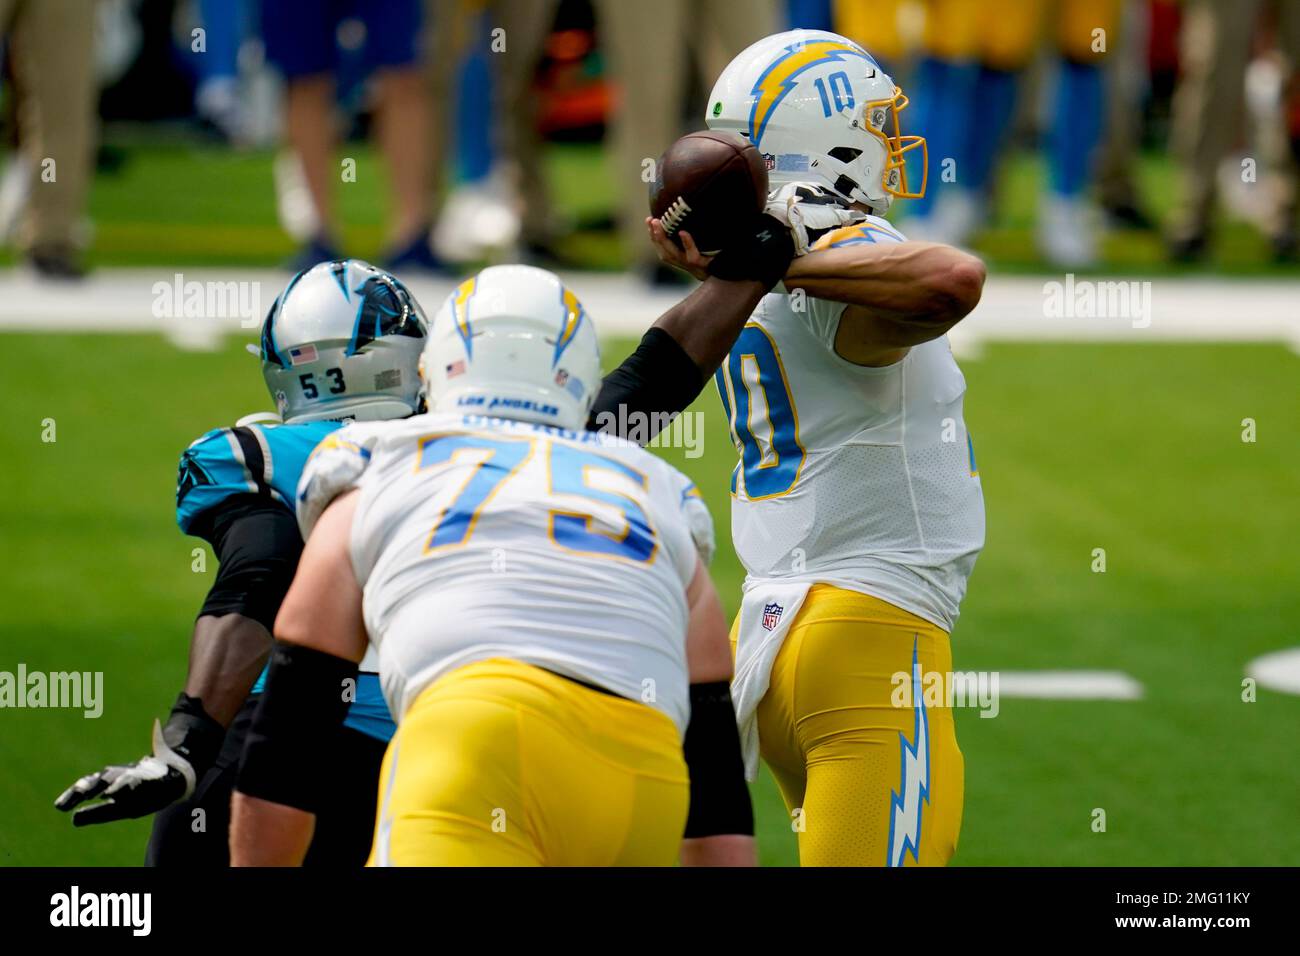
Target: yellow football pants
(867, 782)
(504, 764)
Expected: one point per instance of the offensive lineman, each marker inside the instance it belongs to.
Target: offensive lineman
(545, 625)
(856, 506)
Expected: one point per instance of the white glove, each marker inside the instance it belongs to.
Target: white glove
(810, 212)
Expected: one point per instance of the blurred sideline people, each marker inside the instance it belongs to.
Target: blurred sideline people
(1216, 48)
(51, 43)
(966, 84)
(302, 42)
(1126, 83)
(216, 96)
(458, 99)
(483, 58)
(649, 48)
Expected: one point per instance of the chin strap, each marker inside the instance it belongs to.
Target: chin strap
(258, 418)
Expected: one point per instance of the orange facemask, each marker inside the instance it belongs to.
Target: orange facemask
(878, 118)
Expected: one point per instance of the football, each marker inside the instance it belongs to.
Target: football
(708, 183)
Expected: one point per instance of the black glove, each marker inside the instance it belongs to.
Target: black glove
(182, 752)
(763, 253)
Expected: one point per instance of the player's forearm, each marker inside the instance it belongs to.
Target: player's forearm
(706, 323)
(263, 833)
(726, 850)
(922, 284)
(676, 357)
(708, 645)
(257, 544)
(226, 655)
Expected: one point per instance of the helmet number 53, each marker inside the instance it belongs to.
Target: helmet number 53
(337, 385)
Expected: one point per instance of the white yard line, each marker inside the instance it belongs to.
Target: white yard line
(1279, 671)
(1069, 685)
(1013, 308)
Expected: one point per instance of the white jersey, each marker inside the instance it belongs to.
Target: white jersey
(477, 538)
(860, 477)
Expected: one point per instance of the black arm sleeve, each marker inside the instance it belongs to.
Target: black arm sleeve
(719, 797)
(654, 383)
(287, 752)
(258, 544)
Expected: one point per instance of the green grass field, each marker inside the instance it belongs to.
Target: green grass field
(1135, 449)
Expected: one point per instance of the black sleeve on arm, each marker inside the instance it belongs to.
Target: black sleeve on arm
(658, 379)
(258, 544)
(287, 752)
(719, 796)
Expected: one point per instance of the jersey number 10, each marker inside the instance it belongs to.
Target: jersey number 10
(762, 416)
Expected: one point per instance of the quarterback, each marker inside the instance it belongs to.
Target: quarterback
(856, 505)
(342, 341)
(547, 634)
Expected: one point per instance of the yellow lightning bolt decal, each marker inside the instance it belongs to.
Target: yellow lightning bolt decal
(573, 313)
(778, 79)
(460, 309)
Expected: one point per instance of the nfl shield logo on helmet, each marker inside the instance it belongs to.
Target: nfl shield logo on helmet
(771, 615)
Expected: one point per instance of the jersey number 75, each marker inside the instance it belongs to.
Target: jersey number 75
(497, 460)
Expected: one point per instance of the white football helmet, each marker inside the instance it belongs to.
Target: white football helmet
(513, 342)
(343, 340)
(820, 109)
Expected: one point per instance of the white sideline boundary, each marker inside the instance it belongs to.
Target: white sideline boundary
(1012, 309)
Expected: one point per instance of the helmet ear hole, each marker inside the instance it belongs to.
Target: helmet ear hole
(845, 154)
(845, 186)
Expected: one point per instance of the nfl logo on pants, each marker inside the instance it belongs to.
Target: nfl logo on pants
(771, 615)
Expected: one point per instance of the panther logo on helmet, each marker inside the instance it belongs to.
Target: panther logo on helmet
(343, 340)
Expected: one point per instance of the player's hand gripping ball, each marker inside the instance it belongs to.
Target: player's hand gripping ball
(709, 184)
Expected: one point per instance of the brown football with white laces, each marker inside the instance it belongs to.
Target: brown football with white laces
(710, 184)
